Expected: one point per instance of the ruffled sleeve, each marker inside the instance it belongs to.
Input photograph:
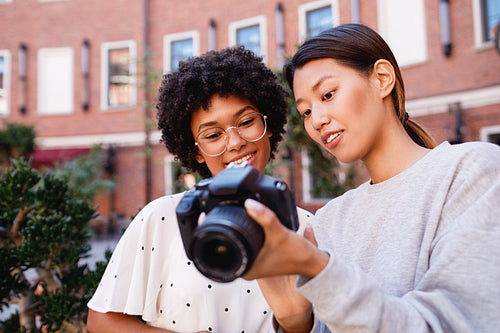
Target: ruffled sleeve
(133, 277)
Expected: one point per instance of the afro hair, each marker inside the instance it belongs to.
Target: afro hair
(233, 71)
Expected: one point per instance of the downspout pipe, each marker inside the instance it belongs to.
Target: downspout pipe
(212, 38)
(280, 36)
(147, 114)
(444, 18)
(355, 11)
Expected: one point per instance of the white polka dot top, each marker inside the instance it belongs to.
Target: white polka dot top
(150, 275)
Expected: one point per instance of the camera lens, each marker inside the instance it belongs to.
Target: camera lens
(219, 253)
(225, 245)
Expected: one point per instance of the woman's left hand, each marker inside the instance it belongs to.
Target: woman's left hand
(283, 256)
(291, 310)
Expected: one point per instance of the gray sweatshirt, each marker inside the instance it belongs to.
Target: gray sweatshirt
(418, 252)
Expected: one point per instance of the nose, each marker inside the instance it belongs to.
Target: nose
(319, 117)
(234, 140)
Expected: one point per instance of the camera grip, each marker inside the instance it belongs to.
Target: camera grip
(188, 213)
(276, 195)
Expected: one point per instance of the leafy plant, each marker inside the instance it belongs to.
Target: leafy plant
(84, 174)
(44, 233)
(16, 140)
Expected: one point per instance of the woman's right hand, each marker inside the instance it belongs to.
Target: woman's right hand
(284, 252)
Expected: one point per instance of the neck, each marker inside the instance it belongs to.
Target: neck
(395, 153)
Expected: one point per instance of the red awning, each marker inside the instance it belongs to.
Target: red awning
(48, 157)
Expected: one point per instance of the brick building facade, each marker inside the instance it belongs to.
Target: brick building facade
(75, 70)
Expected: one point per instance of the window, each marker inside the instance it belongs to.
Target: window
(491, 134)
(486, 21)
(4, 82)
(317, 16)
(178, 178)
(178, 47)
(402, 25)
(250, 33)
(324, 177)
(250, 37)
(55, 80)
(118, 81)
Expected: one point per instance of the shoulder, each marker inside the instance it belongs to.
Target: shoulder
(159, 210)
(303, 214)
(469, 151)
(163, 204)
(470, 160)
(305, 219)
(471, 185)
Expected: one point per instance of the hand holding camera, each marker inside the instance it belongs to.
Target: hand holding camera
(226, 244)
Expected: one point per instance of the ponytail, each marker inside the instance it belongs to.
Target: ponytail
(419, 134)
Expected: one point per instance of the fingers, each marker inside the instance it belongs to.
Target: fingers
(260, 213)
(309, 235)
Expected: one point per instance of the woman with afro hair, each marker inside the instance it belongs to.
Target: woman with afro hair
(220, 108)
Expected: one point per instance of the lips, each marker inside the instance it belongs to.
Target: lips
(243, 159)
(330, 137)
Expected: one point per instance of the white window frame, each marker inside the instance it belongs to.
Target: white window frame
(311, 6)
(306, 181)
(257, 20)
(44, 81)
(6, 79)
(485, 132)
(167, 171)
(393, 36)
(479, 42)
(194, 35)
(105, 47)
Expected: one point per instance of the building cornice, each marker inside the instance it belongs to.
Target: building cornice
(80, 141)
(468, 99)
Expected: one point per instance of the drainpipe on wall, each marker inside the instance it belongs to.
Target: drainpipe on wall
(444, 18)
(212, 39)
(85, 74)
(355, 11)
(147, 114)
(456, 110)
(23, 82)
(280, 36)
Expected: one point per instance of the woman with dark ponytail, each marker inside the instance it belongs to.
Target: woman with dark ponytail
(359, 47)
(414, 249)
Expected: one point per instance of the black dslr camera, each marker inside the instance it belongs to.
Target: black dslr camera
(226, 244)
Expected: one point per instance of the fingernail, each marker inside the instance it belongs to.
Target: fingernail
(253, 205)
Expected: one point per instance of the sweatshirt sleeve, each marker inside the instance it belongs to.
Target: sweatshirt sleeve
(459, 291)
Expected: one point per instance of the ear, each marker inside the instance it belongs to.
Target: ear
(385, 77)
(199, 158)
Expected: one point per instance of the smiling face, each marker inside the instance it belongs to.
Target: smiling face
(224, 113)
(343, 110)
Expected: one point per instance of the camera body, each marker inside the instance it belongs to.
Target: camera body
(224, 246)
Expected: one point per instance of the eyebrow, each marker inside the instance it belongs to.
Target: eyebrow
(316, 86)
(236, 115)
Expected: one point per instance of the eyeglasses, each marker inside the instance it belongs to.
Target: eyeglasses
(250, 127)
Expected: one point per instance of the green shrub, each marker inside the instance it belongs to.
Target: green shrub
(44, 231)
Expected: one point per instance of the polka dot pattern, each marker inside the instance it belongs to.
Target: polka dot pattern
(174, 295)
